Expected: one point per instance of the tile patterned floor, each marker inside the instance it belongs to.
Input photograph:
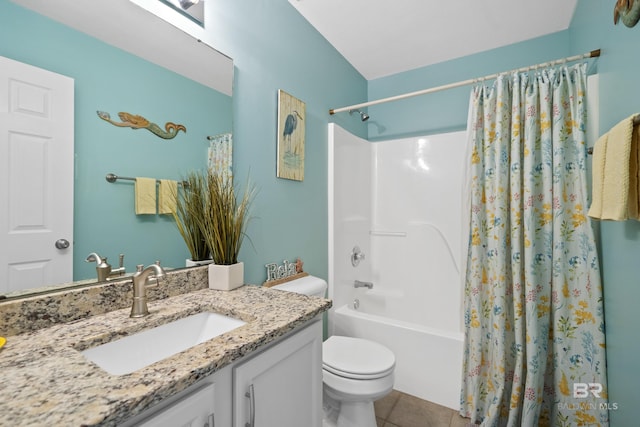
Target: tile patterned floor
(399, 409)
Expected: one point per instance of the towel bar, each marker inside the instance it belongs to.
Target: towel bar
(112, 177)
(636, 122)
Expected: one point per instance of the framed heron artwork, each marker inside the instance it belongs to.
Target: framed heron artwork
(291, 124)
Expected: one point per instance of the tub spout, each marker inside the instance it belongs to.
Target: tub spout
(359, 284)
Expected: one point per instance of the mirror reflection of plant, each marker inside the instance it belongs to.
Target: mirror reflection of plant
(190, 210)
(224, 226)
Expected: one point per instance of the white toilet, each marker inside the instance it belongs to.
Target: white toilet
(355, 371)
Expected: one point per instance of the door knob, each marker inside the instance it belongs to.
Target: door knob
(62, 244)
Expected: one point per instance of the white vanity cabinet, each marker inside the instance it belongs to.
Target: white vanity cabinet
(205, 404)
(281, 385)
(278, 386)
(195, 410)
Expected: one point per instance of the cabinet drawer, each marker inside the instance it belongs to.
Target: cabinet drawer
(194, 410)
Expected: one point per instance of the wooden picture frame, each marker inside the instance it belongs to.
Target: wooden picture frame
(291, 137)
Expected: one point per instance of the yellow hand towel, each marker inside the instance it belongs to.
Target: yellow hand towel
(634, 175)
(145, 190)
(615, 173)
(597, 176)
(167, 193)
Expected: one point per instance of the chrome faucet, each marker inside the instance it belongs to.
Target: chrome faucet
(359, 284)
(140, 284)
(103, 268)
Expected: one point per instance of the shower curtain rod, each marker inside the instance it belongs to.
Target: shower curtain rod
(592, 54)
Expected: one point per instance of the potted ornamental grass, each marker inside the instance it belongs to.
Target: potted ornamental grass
(190, 210)
(224, 229)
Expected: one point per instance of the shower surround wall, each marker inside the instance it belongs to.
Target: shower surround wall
(400, 202)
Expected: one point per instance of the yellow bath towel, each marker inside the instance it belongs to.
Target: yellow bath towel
(634, 175)
(167, 192)
(615, 174)
(145, 198)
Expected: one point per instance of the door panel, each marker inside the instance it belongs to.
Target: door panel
(282, 386)
(36, 176)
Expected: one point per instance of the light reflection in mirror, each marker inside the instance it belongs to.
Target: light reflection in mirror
(192, 9)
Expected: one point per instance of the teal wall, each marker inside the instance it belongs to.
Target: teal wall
(274, 47)
(618, 68)
(446, 111)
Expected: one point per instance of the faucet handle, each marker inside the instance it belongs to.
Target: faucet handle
(121, 263)
(153, 281)
(356, 256)
(139, 268)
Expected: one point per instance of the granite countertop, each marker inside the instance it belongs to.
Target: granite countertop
(47, 381)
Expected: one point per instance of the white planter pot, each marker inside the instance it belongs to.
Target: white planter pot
(226, 277)
(191, 263)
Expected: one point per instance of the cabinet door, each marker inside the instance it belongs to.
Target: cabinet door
(282, 386)
(193, 410)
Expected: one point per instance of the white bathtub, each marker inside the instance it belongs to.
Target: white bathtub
(428, 361)
(400, 202)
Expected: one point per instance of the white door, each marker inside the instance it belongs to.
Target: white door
(36, 176)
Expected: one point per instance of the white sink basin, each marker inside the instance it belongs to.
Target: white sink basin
(136, 351)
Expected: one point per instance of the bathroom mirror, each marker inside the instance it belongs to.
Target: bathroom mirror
(123, 58)
(142, 28)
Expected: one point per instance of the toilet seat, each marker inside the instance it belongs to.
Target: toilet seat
(357, 358)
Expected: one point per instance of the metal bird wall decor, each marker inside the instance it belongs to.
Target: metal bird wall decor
(138, 122)
(628, 11)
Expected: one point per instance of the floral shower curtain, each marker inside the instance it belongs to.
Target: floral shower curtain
(220, 156)
(534, 326)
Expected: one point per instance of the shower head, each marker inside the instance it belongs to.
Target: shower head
(363, 116)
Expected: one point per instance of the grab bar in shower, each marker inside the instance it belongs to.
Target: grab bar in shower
(384, 233)
(388, 233)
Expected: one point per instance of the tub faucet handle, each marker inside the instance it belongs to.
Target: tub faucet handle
(356, 256)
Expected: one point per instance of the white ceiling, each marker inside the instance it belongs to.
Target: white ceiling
(384, 37)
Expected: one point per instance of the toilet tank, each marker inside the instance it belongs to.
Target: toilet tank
(308, 285)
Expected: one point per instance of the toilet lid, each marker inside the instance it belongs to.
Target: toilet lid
(356, 358)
